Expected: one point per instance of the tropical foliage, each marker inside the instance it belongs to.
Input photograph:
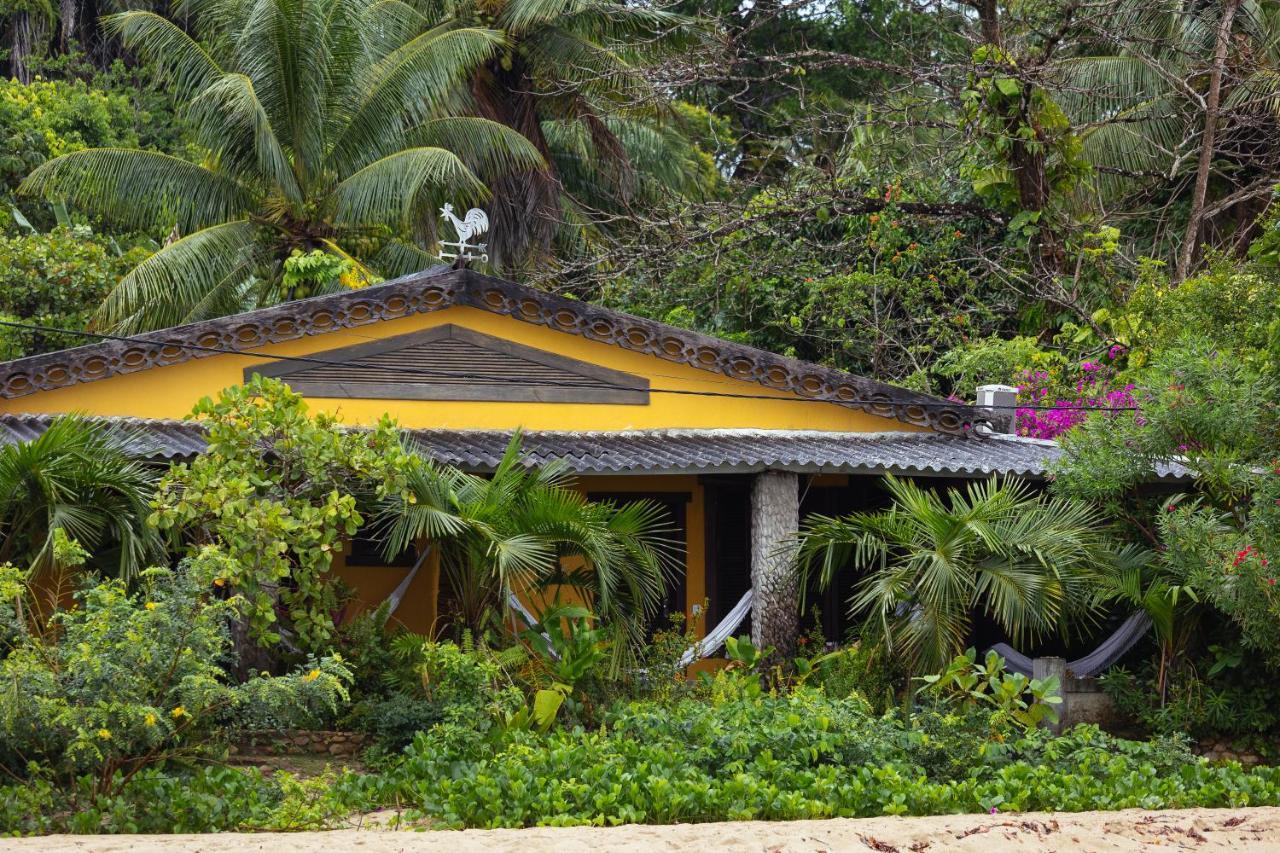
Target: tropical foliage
(933, 560)
(77, 481)
(124, 681)
(55, 281)
(571, 80)
(353, 161)
(266, 507)
(525, 530)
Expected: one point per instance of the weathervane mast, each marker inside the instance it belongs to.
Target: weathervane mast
(474, 224)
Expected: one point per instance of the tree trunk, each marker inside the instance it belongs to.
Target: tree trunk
(775, 521)
(1213, 98)
(70, 21)
(24, 38)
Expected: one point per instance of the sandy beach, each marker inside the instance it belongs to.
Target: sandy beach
(1190, 829)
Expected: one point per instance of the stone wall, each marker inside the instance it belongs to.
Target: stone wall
(1229, 749)
(299, 742)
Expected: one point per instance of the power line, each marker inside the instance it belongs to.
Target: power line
(452, 378)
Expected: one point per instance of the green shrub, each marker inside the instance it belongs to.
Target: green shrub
(1233, 701)
(394, 720)
(56, 280)
(429, 683)
(276, 518)
(772, 757)
(1013, 697)
(205, 799)
(864, 669)
(48, 118)
(125, 680)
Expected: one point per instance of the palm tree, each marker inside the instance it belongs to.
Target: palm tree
(313, 136)
(79, 478)
(1179, 93)
(932, 561)
(570, 78)
(514, 532)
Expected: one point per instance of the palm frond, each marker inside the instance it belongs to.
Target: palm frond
(231, 121)
(140, 189)
(385, 192)
(177, 282)
(409, 86)
(179, 60)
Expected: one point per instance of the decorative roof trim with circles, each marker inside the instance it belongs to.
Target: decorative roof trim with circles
(438, 289)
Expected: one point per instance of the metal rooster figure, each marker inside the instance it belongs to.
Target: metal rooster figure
(474, 224)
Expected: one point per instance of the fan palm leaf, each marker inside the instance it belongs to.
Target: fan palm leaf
(514, 530)
(932, 559)
(80, 478)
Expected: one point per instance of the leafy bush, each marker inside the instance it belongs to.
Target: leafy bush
(864, 669)
(1233, 697)
(55, 280)
(742, 755)
(124, 681)
(273, 495)
(1013, 698)
(205, 799)
(48, 118)
(430, 683)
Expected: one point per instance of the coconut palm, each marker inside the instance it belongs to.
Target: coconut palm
(523, 529)
(77, 477)
(1141, 103)
(313, 137)
(932, 560)
(570, 78)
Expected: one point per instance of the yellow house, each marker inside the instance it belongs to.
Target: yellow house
(734, 441)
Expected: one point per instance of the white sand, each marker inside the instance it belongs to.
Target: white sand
(1190, 829)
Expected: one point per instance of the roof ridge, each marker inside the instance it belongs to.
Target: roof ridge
(439, 288)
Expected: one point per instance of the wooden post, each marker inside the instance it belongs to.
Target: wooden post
(775, 521)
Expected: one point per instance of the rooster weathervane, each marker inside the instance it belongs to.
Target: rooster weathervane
(474, 224)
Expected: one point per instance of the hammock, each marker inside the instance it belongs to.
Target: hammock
(704, 648)
(715, 638)
(397, 594)
(1112, 649)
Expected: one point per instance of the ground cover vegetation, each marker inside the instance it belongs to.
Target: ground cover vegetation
(1069, 197)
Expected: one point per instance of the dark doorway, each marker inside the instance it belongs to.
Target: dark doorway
(676, 505)
(727, 507)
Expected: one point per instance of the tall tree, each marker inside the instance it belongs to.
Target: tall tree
(315, 137)
(573, 77)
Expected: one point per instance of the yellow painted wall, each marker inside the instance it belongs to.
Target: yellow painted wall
(170, 392)
(372, 585)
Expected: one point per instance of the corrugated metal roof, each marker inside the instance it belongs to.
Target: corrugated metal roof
(154, 439)
(664, 451)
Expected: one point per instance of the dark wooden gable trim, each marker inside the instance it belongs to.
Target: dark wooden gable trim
(482, 368)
